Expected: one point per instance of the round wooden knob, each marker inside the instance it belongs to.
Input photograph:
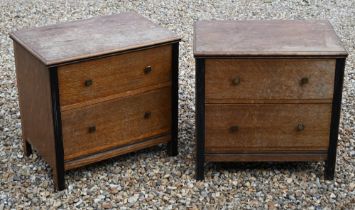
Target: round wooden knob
(300, 127)
(234, 128)
(92, 129)
(147, 69)
(236, 81)
(147, 115)
(88, 82)
(304, 81)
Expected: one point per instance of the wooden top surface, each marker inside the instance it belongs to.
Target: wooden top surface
(266, 38)
(97, 36)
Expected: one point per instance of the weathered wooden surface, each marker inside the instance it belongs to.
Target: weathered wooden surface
(80, 39)
(118, 122)
(106, 154)
(268, 79)
(266, 38)
(114, 75)
(273, 156)
(34, 89)
(267, 127)
(33, 85)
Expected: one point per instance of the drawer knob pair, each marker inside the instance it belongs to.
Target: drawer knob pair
(88, 83)
(234, 128)
(147, 69)
(300, 127)
(236, 81)
(304, 81)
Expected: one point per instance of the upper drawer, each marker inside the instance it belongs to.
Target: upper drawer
(103, 77)
(235, 80)
(118, 122)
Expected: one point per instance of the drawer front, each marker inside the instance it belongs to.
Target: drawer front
(113, 75)
(116, 123)
(267, 127)
(233, 80)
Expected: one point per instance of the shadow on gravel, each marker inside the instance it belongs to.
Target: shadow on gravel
(152, 152)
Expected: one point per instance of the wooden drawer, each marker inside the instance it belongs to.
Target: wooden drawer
(117, 122)
(249, 80)
(103, 77)
(267, 127)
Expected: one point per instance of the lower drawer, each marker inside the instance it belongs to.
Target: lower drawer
(242, 128)
(115, 123)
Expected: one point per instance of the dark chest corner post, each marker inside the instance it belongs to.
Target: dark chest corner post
(200, 117)
(58, 171)
(335, 118)
(173, 144)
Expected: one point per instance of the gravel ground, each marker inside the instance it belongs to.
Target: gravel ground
(151, 179)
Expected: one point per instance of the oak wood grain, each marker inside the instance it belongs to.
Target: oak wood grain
(71, 41)
(274, 38)
(268, 79)
(290, 156)
(268, 101)
(114, 96)
(106, 154)
(114, 75)
(33, 85)
(118, 122)
(266, 127)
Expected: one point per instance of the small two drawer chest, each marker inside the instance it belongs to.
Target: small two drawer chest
(267, 91)
(94, 89)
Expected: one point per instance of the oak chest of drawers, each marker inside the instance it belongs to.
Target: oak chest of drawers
(94, 89)
(267, 91)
